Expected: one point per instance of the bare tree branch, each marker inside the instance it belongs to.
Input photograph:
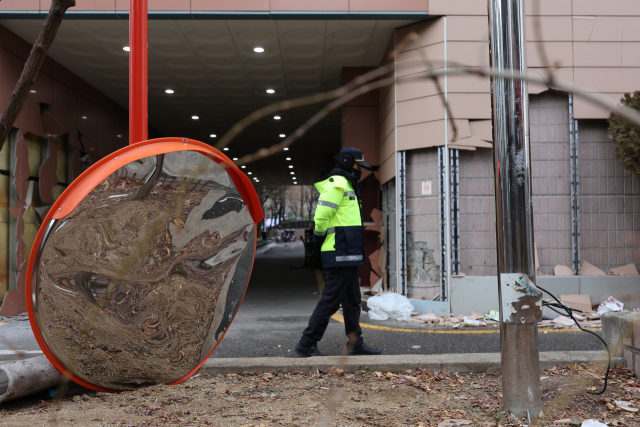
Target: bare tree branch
(628, 113)
(32, 66)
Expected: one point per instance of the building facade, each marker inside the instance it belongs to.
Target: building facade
(586, 207)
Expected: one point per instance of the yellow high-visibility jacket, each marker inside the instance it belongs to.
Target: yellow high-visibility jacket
(338, 220)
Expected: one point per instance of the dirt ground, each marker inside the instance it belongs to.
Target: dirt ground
(335, 398)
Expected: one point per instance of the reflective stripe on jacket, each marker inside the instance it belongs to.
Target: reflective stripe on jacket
(338, 223)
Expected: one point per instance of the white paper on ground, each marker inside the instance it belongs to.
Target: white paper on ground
(389, 306)
(592, 423)
(610, 304)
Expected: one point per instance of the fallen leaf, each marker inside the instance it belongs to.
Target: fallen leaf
(454, 423)
(625, 406)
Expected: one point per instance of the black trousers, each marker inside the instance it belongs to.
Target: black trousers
(342, 286)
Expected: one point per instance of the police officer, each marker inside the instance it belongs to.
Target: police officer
(339, 249)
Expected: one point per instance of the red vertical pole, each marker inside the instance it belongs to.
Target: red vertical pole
(138, 70)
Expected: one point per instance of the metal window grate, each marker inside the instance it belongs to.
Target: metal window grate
(575, 190)
(455, 211)
(443, 225)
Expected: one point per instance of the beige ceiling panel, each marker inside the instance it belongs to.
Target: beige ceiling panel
(388, 147)
(606, 54)
(387, 101)
(583, 109)
(583, 27)
(457, 7)
(551, 28)
(388, 124)
(536, 88)
(325, 5)
(428, 33)
(468, 28)
(462, 147)
(609, 7)
(473, 54)
(615, 28)
(388, 169)
(421, 135)
(461, 130)
(420, 110)
(20, 5)
(560, 74)
(235, 5)
(470, 105)
(548, 7)
(611, 80)
(413, 61)
(481, 129)
(558, 53)
(417, 86)
(468, 84)
(472, 142)
(631, 54)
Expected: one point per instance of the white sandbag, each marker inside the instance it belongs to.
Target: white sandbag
(389, 306)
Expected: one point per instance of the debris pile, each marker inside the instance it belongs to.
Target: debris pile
(589, 320)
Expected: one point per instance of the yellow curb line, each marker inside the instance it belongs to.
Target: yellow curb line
(338, 317)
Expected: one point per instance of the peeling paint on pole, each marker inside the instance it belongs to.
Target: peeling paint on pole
(521, 299)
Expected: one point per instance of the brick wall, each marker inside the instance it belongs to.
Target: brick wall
(424, 221)
(550, 168)
(609, 202)
(478, 256)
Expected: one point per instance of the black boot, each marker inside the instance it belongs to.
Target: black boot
(365, 350)
(307, 351)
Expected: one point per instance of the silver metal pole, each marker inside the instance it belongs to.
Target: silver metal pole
(520, 299)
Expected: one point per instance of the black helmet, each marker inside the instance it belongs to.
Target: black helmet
(348, 156)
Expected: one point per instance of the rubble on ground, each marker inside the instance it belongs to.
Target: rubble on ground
(590, 320)
(349, 398)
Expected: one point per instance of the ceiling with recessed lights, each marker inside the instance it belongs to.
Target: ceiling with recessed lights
(205, 75)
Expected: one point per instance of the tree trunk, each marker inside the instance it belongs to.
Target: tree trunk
(32, 66)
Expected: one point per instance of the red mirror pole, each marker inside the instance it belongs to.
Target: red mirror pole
(138, 70)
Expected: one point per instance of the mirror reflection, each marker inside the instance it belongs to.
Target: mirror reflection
(141, 280)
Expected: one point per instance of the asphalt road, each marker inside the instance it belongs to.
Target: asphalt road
(276, 309)
(280, 299)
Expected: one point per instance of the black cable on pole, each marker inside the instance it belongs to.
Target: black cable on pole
(569, 313)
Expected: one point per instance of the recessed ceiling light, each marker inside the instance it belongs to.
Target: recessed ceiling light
(286, 149)
(226, 148)
(282, 135)
(291, 167)
(32, 91)
(271, 91)
(169, 91)
(257, 180)
(235, 158)
(288, 158)
(84, 117)
(119, 136)
(249, 173)
(195, 117)
(293, 173)
(258, 49)
(126, 48)
(276, 117)
(295, 183)
(213, 135)
(243, 167)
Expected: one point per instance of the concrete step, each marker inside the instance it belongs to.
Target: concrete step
(468, 362)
